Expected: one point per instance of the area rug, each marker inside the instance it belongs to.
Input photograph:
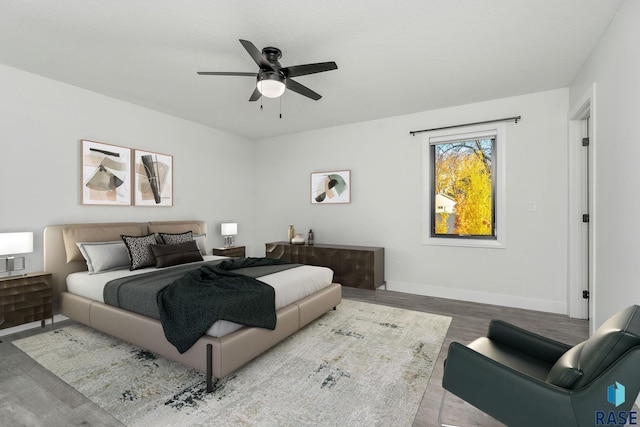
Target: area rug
(362, 364)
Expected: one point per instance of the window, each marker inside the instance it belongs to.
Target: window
(463, 195)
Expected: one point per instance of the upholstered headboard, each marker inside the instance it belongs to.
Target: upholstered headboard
(62, 257)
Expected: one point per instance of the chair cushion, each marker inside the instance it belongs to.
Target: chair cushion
(584, 362)
(565, 372)
(514, 359)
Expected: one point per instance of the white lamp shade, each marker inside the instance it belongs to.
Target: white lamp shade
(229, 229)
(271, 88)
(16, 243)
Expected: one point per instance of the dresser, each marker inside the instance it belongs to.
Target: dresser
(353, 266)
(25, 299)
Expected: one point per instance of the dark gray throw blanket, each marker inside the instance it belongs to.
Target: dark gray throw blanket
(192, 303)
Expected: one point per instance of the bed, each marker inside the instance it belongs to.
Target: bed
(217, 356)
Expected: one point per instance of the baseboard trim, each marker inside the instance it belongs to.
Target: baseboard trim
(549, 306)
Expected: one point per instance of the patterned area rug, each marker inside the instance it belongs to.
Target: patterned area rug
(362, 364)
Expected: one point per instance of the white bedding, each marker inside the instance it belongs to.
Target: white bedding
(289, 285)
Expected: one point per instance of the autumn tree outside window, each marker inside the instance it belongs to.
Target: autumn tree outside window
(462, 188)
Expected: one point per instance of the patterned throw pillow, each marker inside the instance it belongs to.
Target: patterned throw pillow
(172, 239)
(139, 248)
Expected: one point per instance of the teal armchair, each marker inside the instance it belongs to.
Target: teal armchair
(524, 379)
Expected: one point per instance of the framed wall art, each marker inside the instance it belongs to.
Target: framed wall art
(331, 187)
(153, 179)
(106, 178)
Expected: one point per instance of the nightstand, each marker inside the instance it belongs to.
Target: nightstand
(25, 299)
(232, 251)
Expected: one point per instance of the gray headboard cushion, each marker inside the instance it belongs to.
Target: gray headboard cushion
(58, 237)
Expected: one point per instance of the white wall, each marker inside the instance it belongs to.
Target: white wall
(264, 185)
(386, 201)
(613, 66)
(41, 124)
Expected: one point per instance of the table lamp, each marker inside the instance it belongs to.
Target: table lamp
(228, 230)
(13, 244)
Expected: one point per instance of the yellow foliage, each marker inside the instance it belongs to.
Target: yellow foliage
(465, 177)
(441, 223)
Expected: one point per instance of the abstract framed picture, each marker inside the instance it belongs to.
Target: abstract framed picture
(106, 174)
(153, 179)
(331, 187)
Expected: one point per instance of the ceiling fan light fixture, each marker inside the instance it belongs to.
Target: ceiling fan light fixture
(270, 84)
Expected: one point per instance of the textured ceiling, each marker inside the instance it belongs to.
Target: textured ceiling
(394, 57)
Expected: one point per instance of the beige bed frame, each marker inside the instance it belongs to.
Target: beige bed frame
(217, 357)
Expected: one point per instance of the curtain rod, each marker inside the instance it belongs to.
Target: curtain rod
(506, 119)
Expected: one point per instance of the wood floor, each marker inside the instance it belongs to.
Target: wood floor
(31, 396)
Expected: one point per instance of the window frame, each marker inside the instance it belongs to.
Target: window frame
(493, 130)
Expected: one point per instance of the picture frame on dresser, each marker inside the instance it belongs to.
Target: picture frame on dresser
(105, 173)
(153, 179)
(330, 187)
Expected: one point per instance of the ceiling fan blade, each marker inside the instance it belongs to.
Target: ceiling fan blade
(303, 70)
(302, 90)
(223, 73)
(255, 95)
(256, 55)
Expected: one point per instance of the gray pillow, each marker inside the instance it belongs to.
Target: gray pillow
(104, 256)
(201, 241)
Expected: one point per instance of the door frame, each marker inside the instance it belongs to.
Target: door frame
(583, 109)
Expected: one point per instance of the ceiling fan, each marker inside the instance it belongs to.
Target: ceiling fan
(273, 78)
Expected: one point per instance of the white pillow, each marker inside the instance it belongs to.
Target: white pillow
(201, 241)
(104, 256)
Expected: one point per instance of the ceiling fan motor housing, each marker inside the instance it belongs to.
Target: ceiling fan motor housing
(272, 54)
(270, 75)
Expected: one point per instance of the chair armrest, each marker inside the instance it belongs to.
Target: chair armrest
(527, 342)
(504, 393)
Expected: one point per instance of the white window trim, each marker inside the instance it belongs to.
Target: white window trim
(467, 132)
